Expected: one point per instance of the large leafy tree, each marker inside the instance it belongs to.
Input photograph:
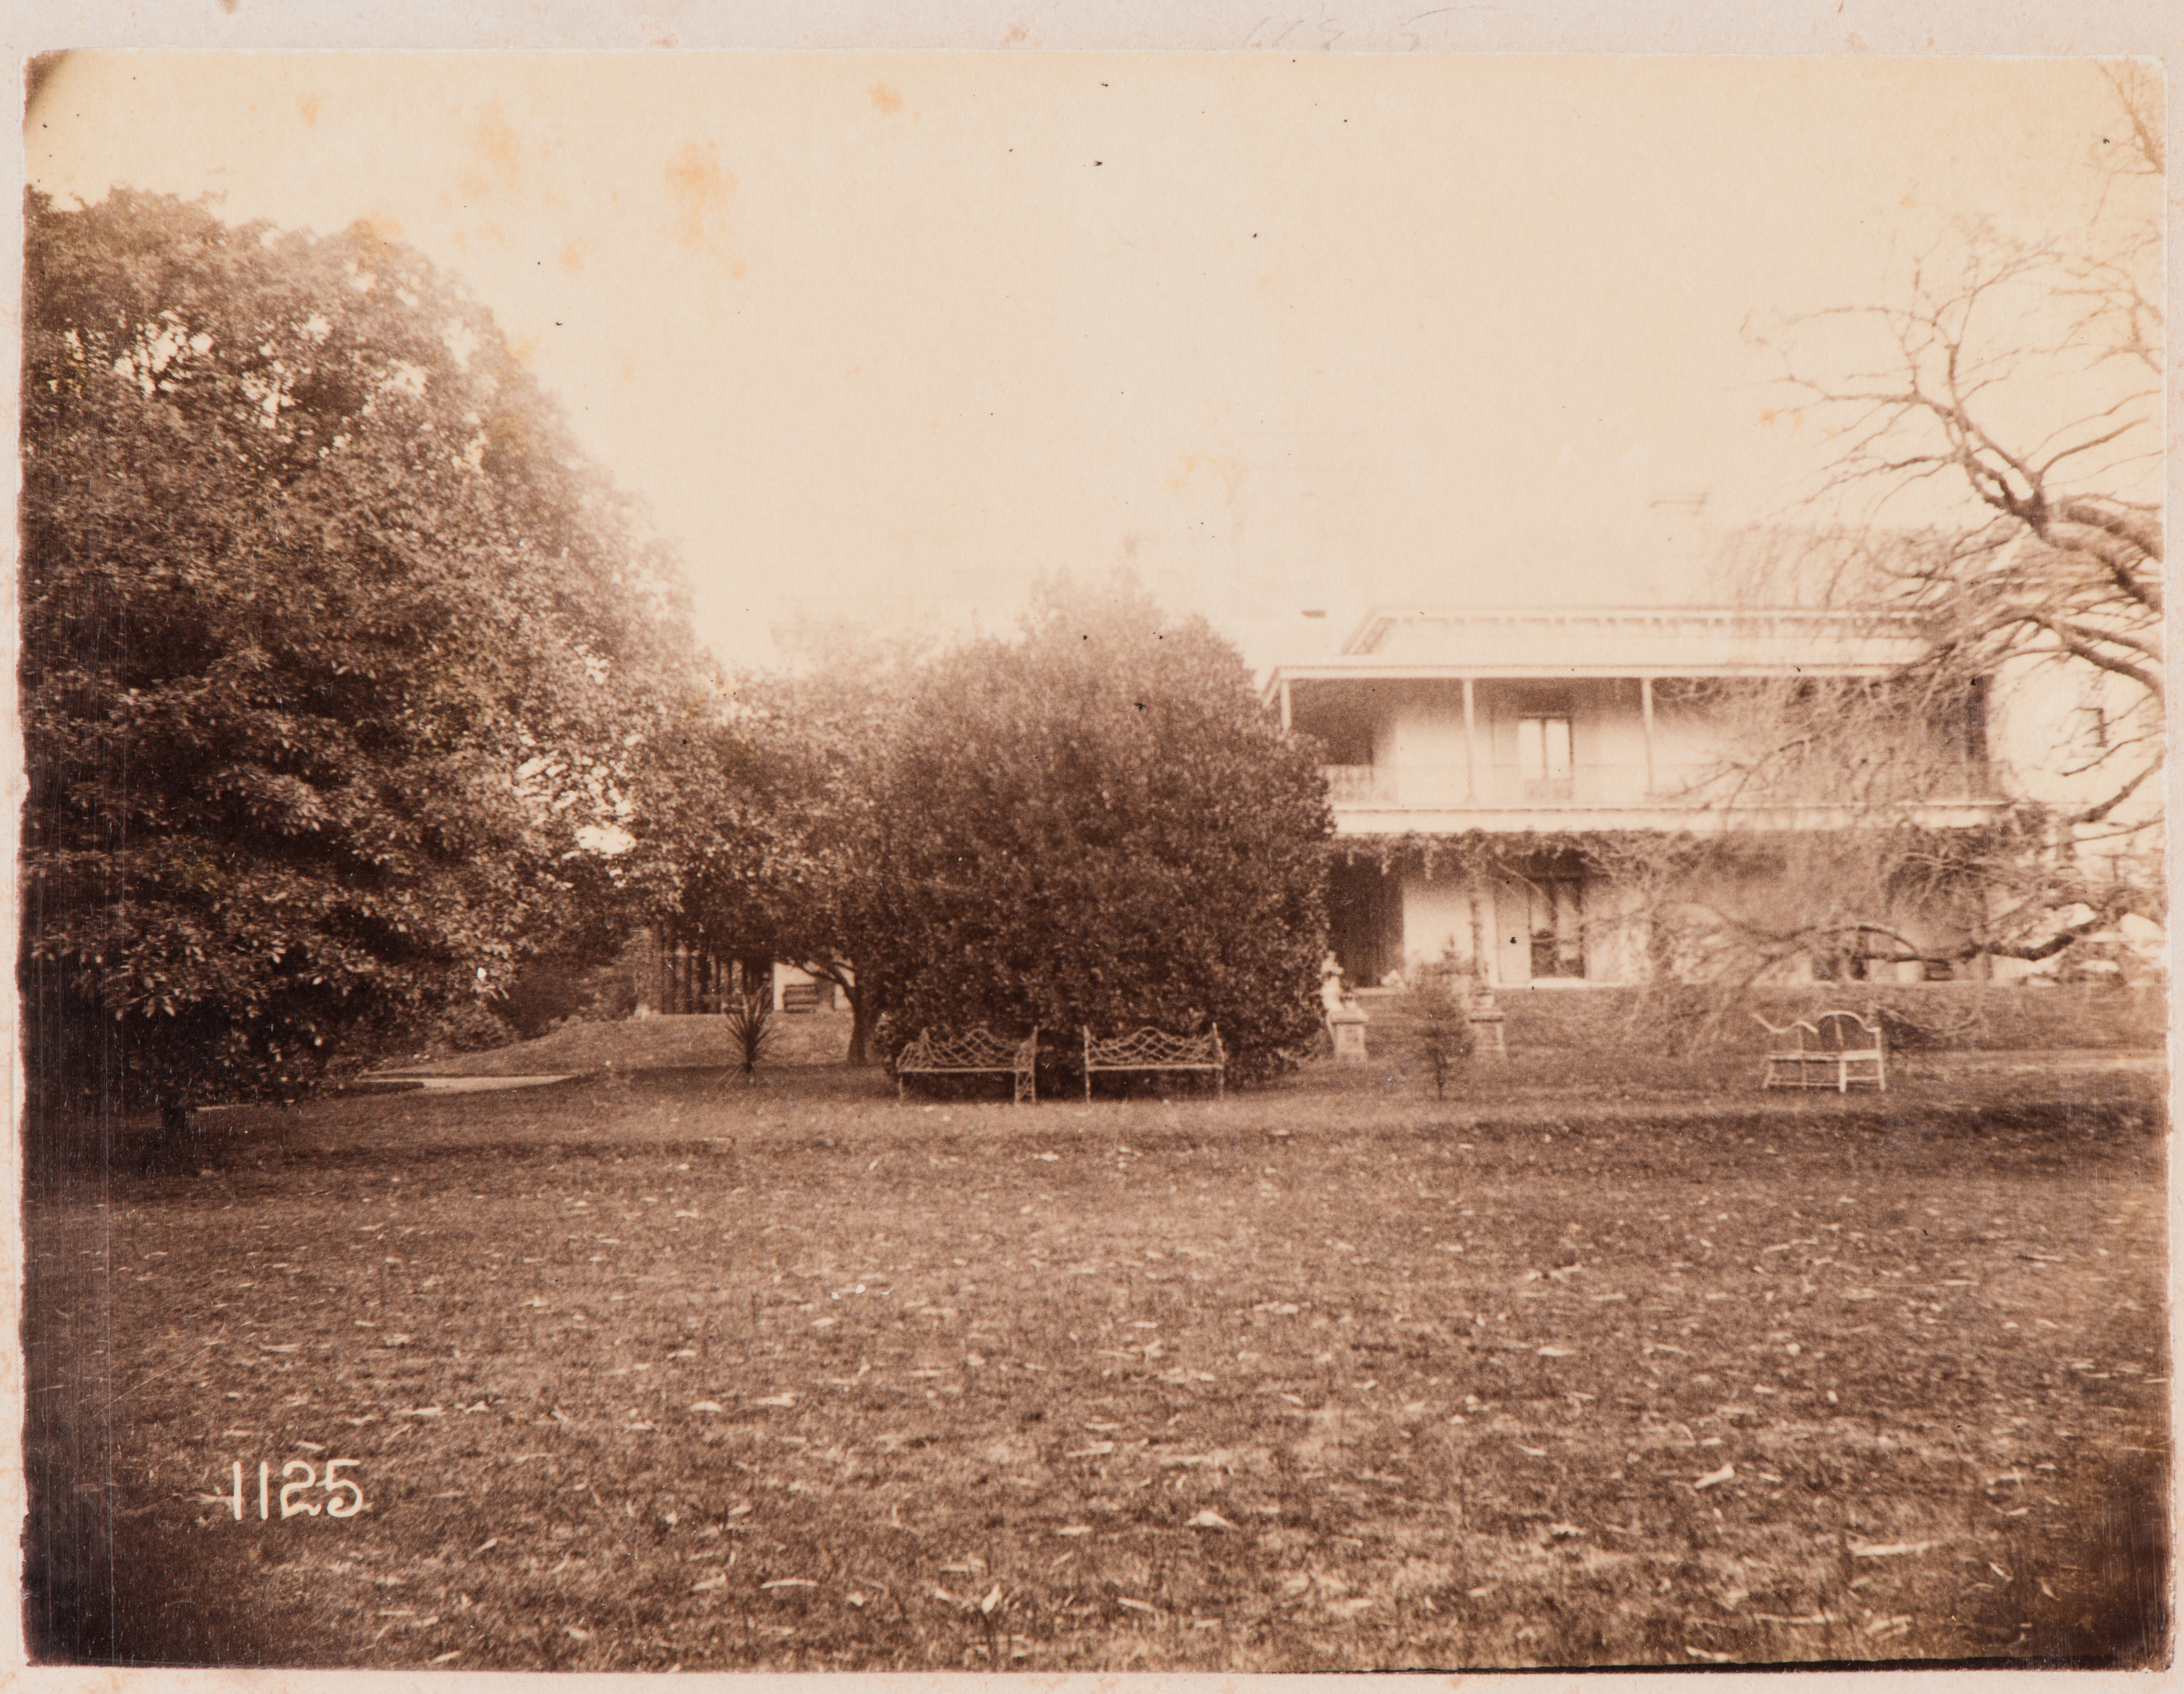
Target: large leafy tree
(345, 681)
(1096, 824)
(798, 859)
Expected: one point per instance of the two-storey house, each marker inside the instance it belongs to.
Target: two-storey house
(1481, 763)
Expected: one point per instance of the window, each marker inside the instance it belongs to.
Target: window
(1543, 757)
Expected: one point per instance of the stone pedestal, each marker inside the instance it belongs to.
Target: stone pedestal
(1346, 1025)
(1488, 1040)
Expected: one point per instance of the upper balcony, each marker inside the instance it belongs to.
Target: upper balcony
(1430, 799)
(1445, 722)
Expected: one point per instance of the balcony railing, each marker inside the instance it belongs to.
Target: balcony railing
(1447, 786)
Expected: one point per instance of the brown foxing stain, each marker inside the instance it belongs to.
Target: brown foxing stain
(1014, 35)
(699, 191)
(307, 104)
(497, 142)
(885, 98)
(1192, 463)
(381, 226)
(574, 251)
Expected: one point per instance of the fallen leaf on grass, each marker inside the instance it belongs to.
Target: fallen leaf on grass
(1564, 1531)
(1710, 1658)
(1557, 1353)
(580, 1635)
(789, 1582)
(1536, 1453)
(775, 1399)
(445, 1657)
(1209, 1519)
(1712, 1477)
(707, 1406)
(1137, 1606)
(1893, 1550)
(1889, 1626)
(485, 1547)
(993, 1599)
(1068, 1529)
(1096, 1450)
(720, 1580)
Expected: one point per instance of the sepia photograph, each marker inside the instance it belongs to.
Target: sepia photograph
(1269, 861)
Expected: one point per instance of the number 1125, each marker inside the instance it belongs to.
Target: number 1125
(349, 1499)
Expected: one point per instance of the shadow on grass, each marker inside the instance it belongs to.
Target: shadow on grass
(100, 1588)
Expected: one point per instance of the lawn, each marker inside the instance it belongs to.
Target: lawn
(641, 1371)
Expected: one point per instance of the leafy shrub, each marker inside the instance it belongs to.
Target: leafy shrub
(1441, 1029)
(472, 1027)
(551, 992)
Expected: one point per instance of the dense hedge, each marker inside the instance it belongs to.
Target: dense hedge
(1096, 824)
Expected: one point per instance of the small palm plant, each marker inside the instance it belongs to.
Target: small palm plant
(751, 1030)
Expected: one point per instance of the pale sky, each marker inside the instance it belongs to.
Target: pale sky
(895, 334)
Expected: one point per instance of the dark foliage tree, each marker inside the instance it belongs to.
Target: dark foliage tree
(1096, 824)
(345, 681)
(797, 864)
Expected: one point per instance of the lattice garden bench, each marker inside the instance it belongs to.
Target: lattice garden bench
(1838, 1049)
(1155, 1050)
(975, 1052)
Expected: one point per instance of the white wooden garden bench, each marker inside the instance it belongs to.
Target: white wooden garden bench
(1838, 1049)
(1156, 1050)
(975, 1052)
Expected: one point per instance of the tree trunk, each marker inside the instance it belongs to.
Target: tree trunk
(863, 1014)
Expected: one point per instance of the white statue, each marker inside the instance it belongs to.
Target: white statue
(1331, 984)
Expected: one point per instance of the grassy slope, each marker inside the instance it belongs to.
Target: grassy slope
(1447, 1378)
(645, 1043)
